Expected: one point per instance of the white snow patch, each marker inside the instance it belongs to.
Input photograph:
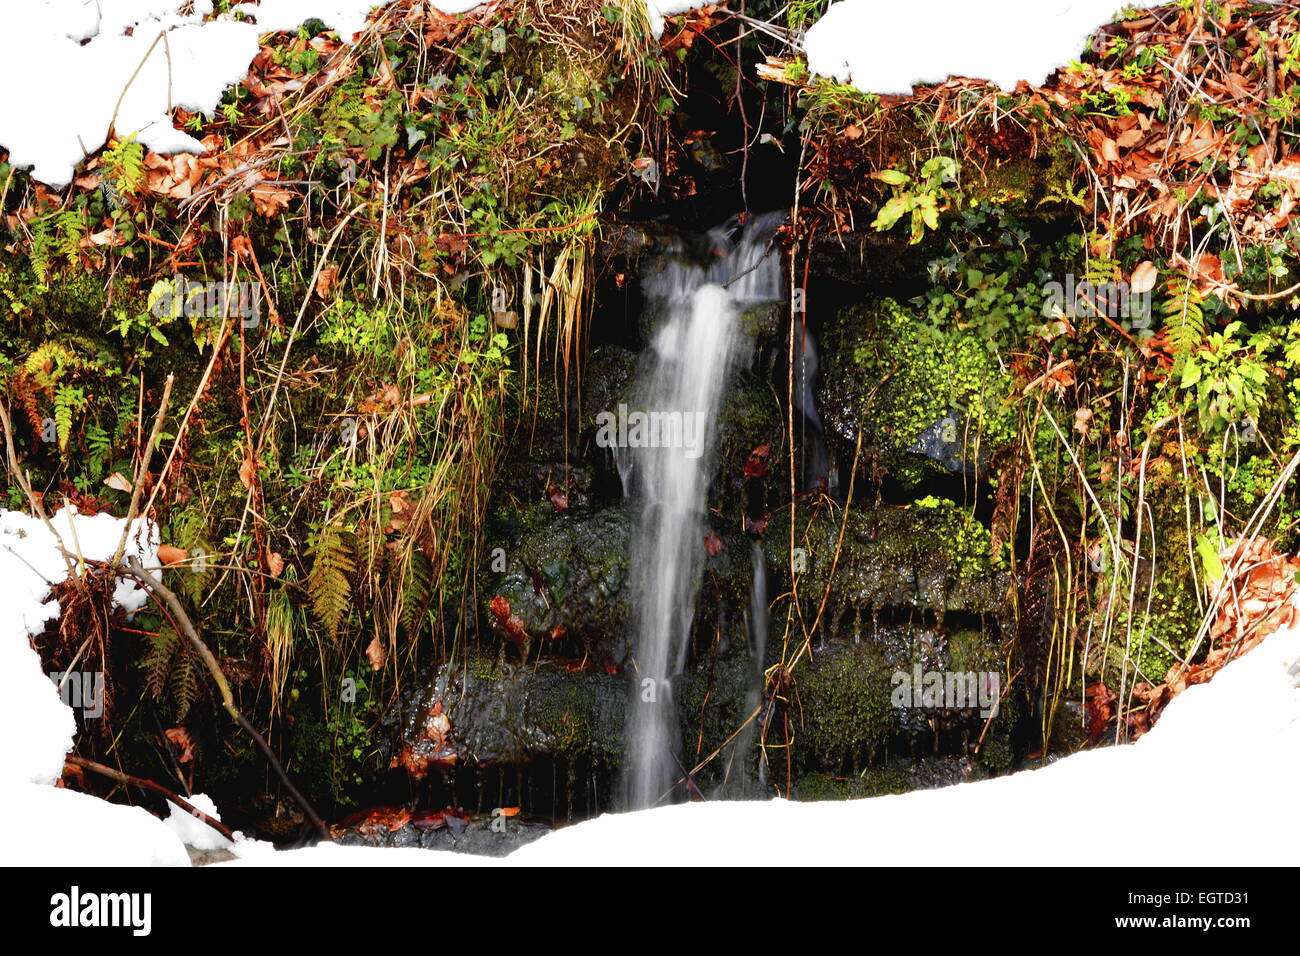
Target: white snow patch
(69, 66)
(57, 827)
(882, 46)
(50, 826)
(345, 17)
(193, 831)
(1219, 770)
(36, 725)
(657, 10)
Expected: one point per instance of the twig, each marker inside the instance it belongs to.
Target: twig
(142, 470)
(186, 626)
(142, 783)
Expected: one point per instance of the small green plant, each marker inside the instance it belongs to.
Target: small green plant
(123, 164)
(1227, 379)
(923, 198)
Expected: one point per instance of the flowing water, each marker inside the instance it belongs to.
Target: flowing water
(746, 771)
(667, 464)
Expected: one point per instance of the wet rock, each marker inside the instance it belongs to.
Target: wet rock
(944, 444)
(565, 581)
(923, 400)
(481, 834)
(900, 776)
(504, 714)
(929, 555)
(565, 585)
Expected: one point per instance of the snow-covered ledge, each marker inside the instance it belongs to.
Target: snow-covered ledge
(57, 826)
(1213, 783)
(888, 47)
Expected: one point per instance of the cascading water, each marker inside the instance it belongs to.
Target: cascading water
(748, 780)
(667, 467)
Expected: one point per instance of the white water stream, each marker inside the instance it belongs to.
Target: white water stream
(667, 468)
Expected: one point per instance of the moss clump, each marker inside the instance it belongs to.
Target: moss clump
(845, 697)
(931, 399)
(932, 554)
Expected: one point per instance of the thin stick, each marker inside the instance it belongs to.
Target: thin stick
(186, 626)
(142, 783)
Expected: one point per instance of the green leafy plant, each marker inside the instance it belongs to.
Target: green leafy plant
(923, 198)
(1227, 379)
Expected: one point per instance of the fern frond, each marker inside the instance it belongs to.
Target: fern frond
(329, 582)
(1184, 321)
(124, 164)
(42, 245)
(184, 683)
(71, 229)
(416, 592)
(159, 659)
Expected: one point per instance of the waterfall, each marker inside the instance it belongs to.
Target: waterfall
(748, 781)
(666, 457)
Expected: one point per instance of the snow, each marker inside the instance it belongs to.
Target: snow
(1213, 783)
(30, 563)
(55, 826)
(73, 63)
(345, 17)
(191, 830)
(657, 10)
(881, 46)
(49, 826)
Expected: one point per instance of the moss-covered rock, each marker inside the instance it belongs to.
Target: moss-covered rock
(932, 555)
(928, 400)
(565, 581)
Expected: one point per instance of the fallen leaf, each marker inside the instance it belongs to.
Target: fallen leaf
(170, 554)
(118, 482)
(376, 654)
(1144, 278)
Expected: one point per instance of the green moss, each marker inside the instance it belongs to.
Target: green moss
(845, 699)
(895, 377)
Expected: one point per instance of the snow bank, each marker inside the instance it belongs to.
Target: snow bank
(37, 727)
(68, 93)
(49, 826)
(1214, 783)
(657, 10)
(59, 826)
(190, 829)
(881, 46)
(64, 93)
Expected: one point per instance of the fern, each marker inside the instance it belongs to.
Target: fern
(329, 583)
(1184, 321)
(72, 229)
(47, 364)
(184, 684)
(415, 590)
(124, 164)
(169, 671)
(67, 399)
(42, 245)
(99, 447)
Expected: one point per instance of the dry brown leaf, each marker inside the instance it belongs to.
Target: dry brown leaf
(376, 654)
(118, 482)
